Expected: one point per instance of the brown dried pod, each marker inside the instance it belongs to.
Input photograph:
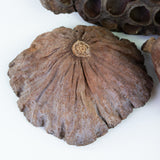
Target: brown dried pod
(59, 6)
(153, 46)
(129, 16)
(79, 83)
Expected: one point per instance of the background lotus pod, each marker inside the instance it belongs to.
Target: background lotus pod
(129, 16)
(79, 82)
(153, 46)
(59, 6)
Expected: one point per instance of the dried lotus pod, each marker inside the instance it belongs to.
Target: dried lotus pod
(129, 16)
(59, 6)
(79, 83)
(153, 46)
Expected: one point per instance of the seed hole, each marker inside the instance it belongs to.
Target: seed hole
(117, 7)
(140, 15)
(157, 17)
(131, 29)
(92, 8)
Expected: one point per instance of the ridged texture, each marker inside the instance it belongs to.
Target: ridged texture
(153, 46)
(129, 16)
(79, 98)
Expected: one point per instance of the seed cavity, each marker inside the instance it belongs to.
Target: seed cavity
(92, 8)
(157, 17)
(140, 15)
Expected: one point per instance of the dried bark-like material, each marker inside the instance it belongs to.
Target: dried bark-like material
(79, 83)
(129, 16)
(59, 6)
(153, 46)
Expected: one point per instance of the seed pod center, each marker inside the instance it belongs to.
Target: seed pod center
(81, 49)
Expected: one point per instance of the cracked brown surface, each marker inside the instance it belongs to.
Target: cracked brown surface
(79, 83)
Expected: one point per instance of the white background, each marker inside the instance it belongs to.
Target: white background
(136, 138)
